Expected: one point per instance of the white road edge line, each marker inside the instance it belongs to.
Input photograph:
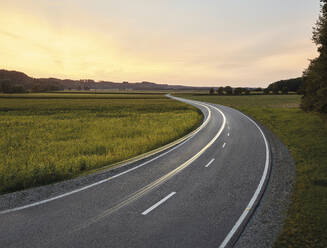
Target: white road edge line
(207, 165)
(158, 203)
(113, 177)
(256, 193)
(224, 144)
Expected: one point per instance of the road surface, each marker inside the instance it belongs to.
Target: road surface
(199, 193)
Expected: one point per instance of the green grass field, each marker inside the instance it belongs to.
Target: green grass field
(51, 137)
(305, 134)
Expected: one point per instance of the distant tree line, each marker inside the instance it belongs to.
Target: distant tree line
(295, 85)
(229, 91)
(315, 76)
(286, 86)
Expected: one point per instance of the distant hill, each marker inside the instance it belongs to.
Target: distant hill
(14, 81)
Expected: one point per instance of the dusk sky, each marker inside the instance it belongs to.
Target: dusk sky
(190, 42)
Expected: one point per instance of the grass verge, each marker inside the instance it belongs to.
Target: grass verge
(305, 135)
(50, 137)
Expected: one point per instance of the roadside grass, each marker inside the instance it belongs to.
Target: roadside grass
(46, 139)
(305, 135)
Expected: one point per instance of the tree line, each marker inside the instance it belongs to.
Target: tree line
(228, 90)
(286, 86)
(295, 85)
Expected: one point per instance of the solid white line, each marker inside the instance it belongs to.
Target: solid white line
(256, 193)
(110, 178)
(209, 163)
(224, 145)
(158, 203)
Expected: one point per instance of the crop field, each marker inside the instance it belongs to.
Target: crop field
(305, 134)
(50, 137)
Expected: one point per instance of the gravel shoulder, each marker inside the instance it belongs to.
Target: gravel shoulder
(267, 221)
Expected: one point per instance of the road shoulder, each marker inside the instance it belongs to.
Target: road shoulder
(267, 221)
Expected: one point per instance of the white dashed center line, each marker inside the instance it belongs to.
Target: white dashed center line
(158, 203)
(210, 163)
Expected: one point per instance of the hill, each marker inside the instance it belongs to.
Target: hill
(16, 82)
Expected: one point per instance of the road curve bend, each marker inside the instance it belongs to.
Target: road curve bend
(199, 193)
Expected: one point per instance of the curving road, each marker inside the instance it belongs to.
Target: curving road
(199, 193)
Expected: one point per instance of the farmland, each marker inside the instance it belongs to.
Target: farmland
(50, 137)
(305, 135)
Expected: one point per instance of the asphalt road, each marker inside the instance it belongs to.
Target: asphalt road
(199, 193)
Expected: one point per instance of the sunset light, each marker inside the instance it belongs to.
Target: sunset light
(186, 42)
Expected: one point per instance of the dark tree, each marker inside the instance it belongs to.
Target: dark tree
(275, 89)
(228, 90)
(238, 91)
(285, 90)
(301, 89)
(211, 91)
(315, 77)
(220, 91)
(293, 84)
(266, 91)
